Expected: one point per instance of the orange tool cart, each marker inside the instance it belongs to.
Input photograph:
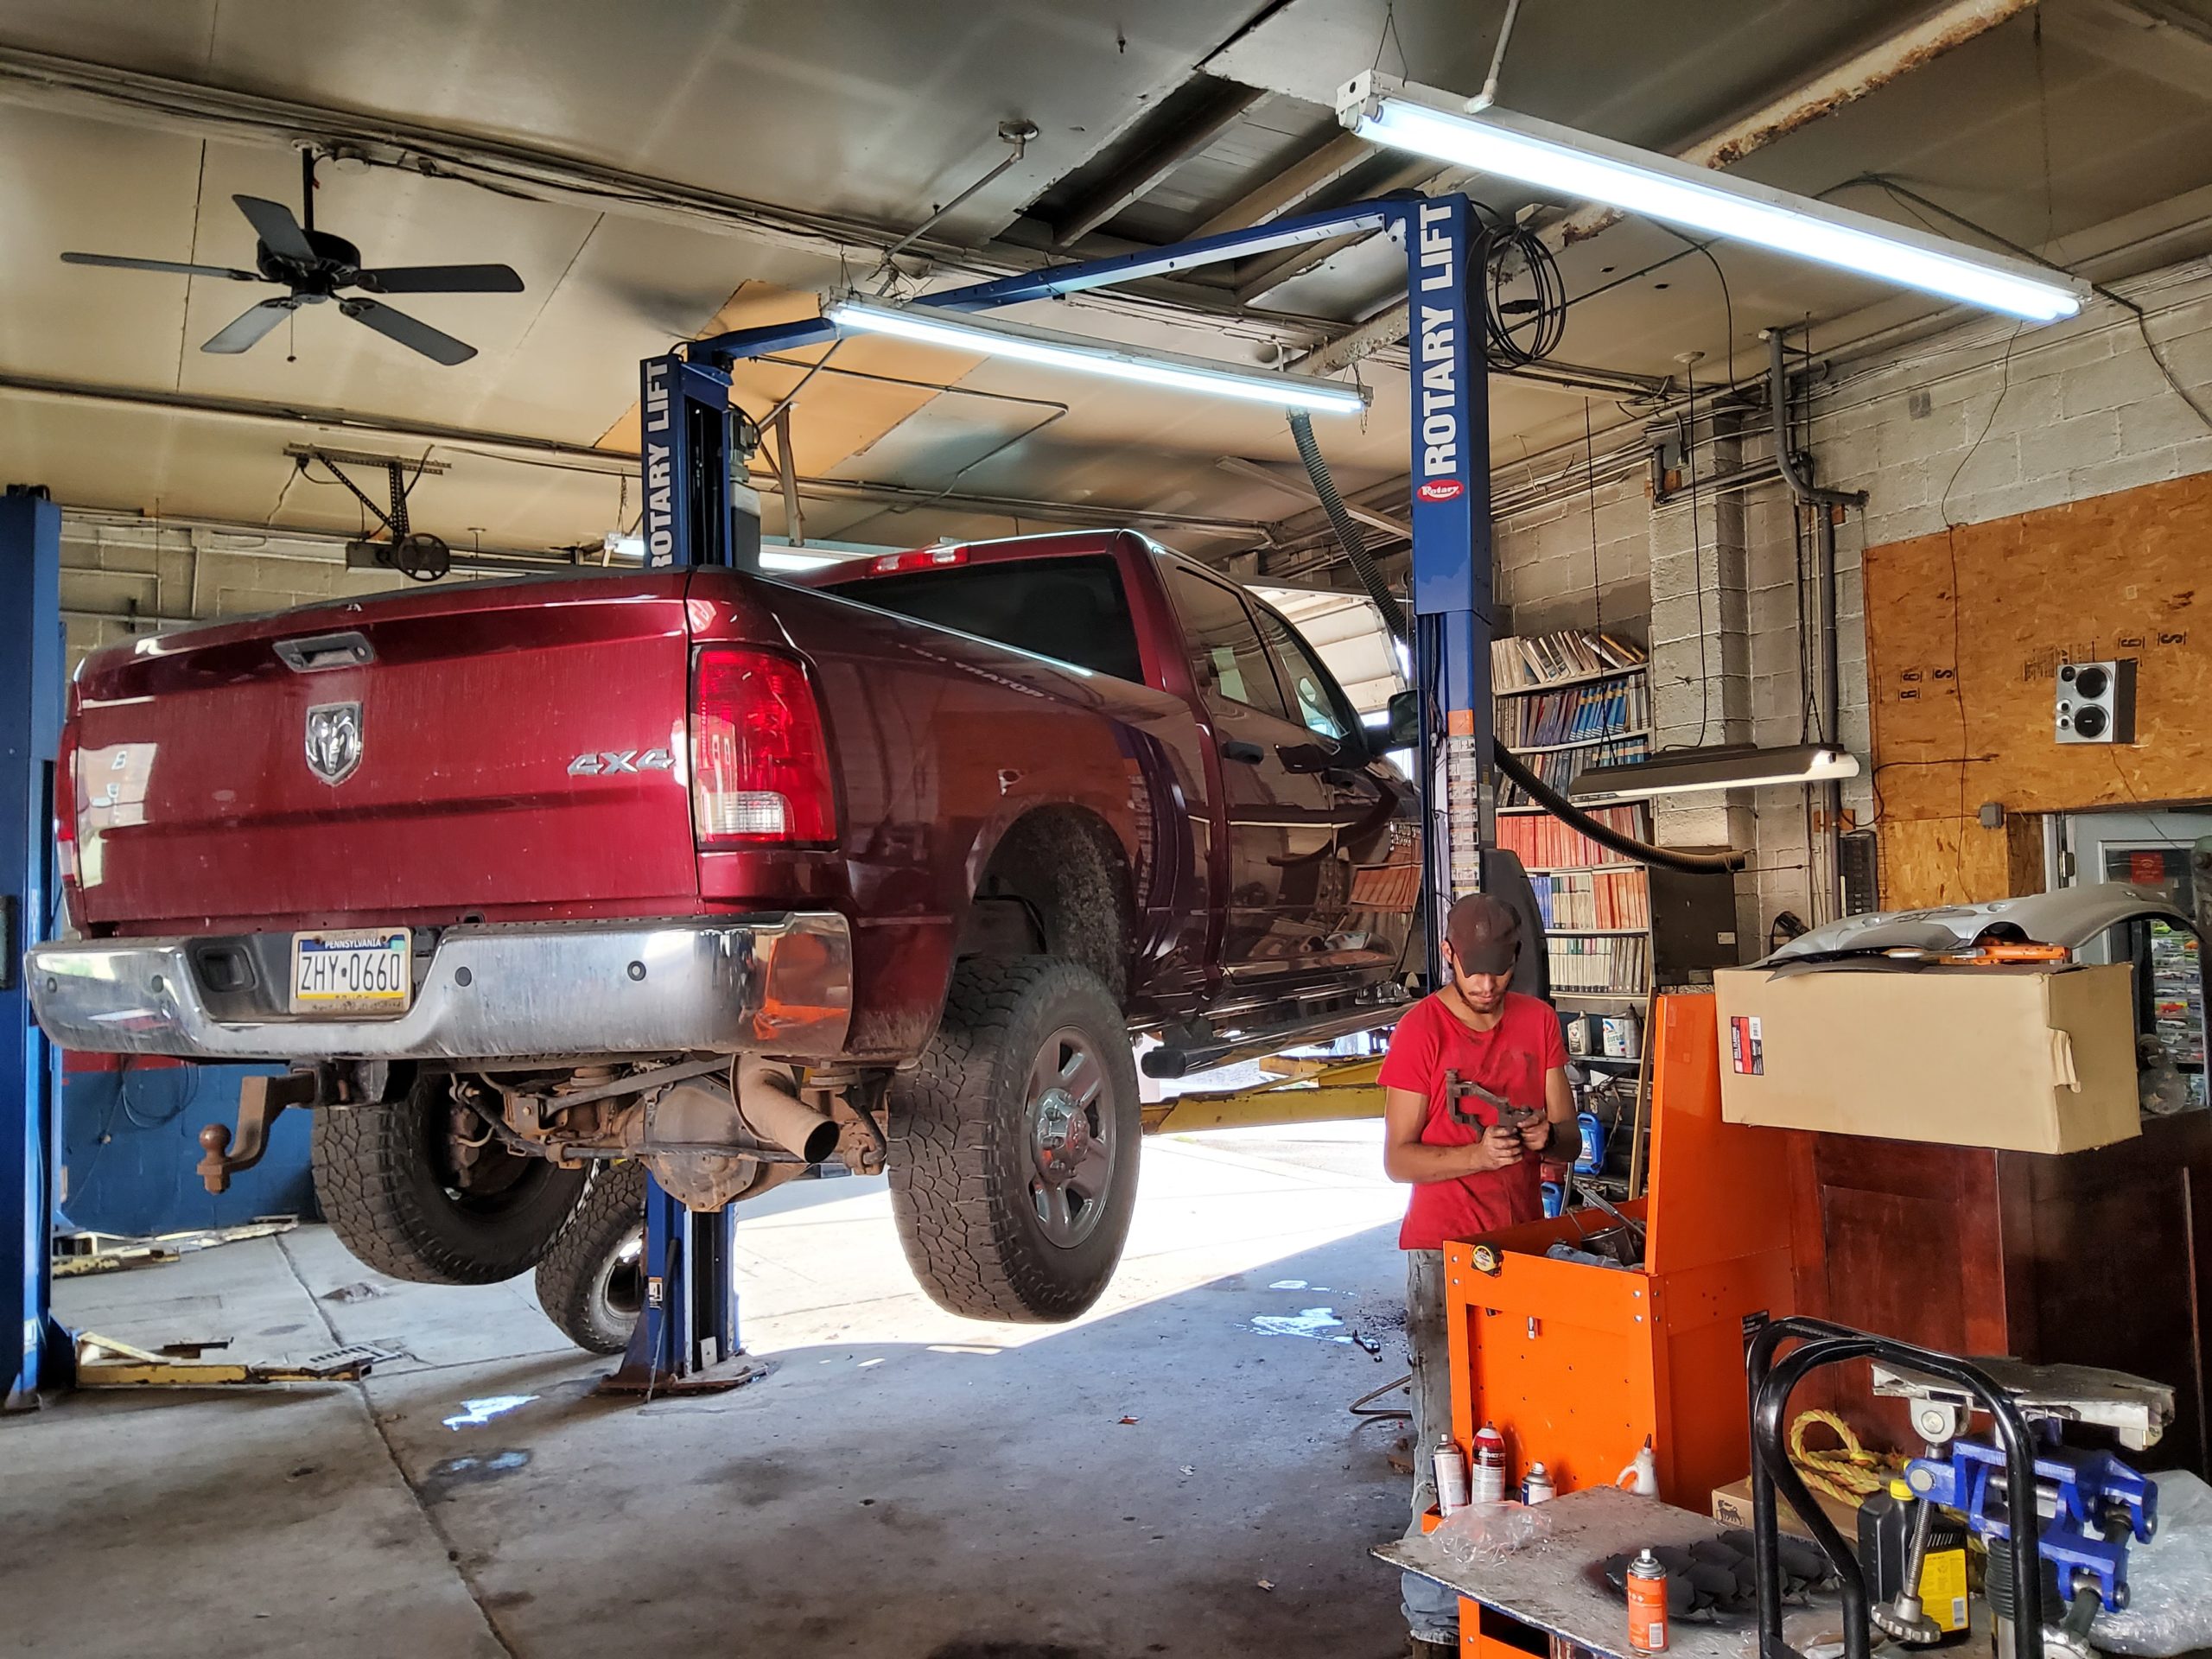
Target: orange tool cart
(1578, 1364)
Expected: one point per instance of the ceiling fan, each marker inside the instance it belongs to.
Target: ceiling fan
(314, 265)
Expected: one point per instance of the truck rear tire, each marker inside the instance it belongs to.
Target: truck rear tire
(592, 1282)
(1014, 1143)
(384, 1176)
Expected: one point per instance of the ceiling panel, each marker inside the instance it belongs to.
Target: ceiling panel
(872, 110)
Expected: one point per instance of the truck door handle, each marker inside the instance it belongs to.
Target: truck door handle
(1235, 749)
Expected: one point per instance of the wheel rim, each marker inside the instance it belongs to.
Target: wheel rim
(620, 1289)
(1072, 1140)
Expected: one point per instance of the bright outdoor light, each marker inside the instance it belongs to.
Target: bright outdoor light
(1561, 160)
(1000, 338)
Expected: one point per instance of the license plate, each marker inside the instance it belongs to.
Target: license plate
(360, 970)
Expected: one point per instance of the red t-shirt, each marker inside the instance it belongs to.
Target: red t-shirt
(1513, 1058)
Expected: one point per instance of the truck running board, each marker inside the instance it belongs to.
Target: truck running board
(1174, 1060)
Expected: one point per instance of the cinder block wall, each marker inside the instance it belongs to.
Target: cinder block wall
(120, 580)
(1980, 421)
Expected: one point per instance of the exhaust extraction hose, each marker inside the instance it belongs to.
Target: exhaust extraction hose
(1354, 544)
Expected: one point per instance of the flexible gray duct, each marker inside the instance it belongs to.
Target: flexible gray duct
(1394, 618)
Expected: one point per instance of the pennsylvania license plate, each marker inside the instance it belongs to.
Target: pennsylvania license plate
(360, 970)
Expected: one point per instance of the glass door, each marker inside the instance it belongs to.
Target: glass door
(2151, 850)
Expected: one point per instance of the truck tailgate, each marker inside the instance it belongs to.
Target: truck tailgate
(514, 746)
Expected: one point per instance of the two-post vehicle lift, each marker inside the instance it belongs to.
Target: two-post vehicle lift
(693, 465)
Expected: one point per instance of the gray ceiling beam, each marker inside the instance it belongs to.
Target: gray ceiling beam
(1218, 109)
(1309, 175)
(585, 458)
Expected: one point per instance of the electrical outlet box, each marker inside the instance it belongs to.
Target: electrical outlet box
(2094, 703)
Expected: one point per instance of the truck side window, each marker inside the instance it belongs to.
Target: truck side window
(1227, 660)
(1315, 695)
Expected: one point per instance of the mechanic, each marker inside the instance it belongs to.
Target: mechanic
(1468, 1176)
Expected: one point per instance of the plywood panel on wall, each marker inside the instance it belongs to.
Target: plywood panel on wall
(1966, 629)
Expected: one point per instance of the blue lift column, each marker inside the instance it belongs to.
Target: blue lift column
(685, 1340)
(1451, 547)
(34, 1354)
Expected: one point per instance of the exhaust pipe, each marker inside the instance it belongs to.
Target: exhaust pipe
(768, 1104)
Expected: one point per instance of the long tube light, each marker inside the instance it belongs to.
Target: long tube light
(999, 338)
(1561, 160)
(1687, 770)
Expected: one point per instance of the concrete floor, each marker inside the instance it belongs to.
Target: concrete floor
(903, 1484)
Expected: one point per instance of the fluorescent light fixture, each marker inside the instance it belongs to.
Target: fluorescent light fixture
(963, 332)
(1738, 766)
(1560, 161)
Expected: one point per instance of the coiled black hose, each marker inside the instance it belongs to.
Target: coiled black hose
(1394, 618)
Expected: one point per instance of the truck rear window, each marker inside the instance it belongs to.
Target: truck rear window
(1074, 610)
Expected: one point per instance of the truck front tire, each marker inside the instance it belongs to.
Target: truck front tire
(1014, 1143)
(387, 1180)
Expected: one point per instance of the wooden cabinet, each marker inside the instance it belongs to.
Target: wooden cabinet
(2090, 1258)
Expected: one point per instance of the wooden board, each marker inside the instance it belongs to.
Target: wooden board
(1956, 861)
(1965, 628)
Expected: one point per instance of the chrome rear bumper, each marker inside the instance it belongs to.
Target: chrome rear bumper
(775, 984)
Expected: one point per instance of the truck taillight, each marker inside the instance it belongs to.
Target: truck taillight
(759, 768)
(65, 823)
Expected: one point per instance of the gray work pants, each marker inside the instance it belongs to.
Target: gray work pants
(1432, 1611)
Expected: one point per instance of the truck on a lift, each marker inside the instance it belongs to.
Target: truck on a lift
(729, 876)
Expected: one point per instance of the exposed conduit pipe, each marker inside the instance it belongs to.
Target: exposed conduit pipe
(1394, 618)
(1804, 493)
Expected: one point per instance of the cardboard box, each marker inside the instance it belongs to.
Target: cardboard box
(2026, 1058)
(1731, 1507)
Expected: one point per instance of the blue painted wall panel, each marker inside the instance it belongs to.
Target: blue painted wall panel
(130, 1142)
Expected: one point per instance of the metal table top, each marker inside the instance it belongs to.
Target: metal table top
(1556, 1587)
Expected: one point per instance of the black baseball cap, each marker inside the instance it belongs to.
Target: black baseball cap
(1485, 934)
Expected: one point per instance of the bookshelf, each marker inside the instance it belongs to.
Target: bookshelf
(1563, 701)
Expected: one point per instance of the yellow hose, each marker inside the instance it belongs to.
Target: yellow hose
(1850, 1473)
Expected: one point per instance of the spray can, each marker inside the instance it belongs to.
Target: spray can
(1489, 1476)
(1536, 1486)
(1647, 1604)
(1451, 1476)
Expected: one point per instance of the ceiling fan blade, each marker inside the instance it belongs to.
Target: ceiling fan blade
(250, 325)
(279, 231)
(441, 279)
(415, 336)
(121, 261)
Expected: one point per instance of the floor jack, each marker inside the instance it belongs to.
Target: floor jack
(2090, 1504)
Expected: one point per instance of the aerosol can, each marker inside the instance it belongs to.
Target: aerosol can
(1451, 1476)
(1647, 1604)
(1536, 1486)
(1489, 1478)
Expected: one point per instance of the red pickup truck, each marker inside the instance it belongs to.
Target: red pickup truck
(729, 875)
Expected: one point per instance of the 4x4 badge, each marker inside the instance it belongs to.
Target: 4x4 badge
(599, 762)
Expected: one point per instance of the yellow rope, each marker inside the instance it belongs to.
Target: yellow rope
(1850, 1474)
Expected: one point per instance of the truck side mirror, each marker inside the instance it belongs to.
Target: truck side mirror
(1403, 731)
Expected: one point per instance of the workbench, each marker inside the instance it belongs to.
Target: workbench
(1555, 1587)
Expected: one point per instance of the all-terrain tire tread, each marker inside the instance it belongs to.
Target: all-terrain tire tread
(362, 1158)
(949, 1153)
(613, 1207)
